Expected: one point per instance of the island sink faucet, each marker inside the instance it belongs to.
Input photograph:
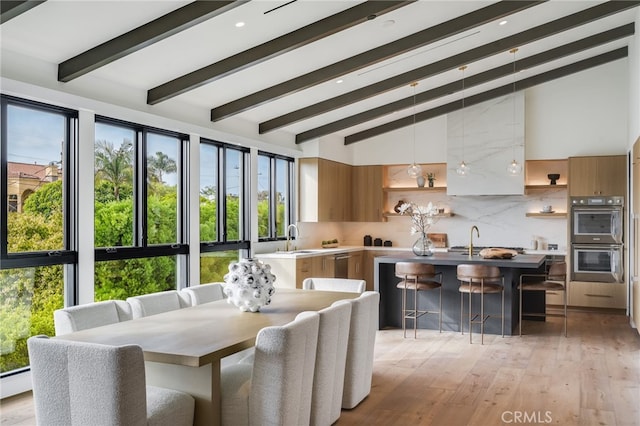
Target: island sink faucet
(287, 246)
(471, 240)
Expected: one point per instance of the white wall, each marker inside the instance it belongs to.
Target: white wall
(582, 114)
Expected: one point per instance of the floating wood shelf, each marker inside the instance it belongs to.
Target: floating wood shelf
(388, 214)
(416, 188)
(558, 186)
(550, 215)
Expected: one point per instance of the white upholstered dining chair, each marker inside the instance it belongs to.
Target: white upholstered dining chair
(157, 303)
(276, 388)
(80, 384)
(334, 284)
(331, 357)
(204, 293)
(362, 338)
(90, 315)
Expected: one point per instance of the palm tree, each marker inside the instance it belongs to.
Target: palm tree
(160, 164)
(114, 164)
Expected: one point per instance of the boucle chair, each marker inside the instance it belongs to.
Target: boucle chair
(362, 338)
(157, 303)
(276, 388)
(334, 284)
(80, 384)
(204, 293)
(90, 315)
(331, 357)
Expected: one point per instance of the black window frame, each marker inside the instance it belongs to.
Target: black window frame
(68, 255)
(289, 209)
(141, 248)
(222, 243)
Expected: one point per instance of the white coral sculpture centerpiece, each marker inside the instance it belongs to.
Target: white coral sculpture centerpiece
(249, 284)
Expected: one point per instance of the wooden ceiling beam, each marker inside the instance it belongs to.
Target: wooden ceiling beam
(9, 9)
(490, 94)
(270, 49)
(474, 80)
(414, 41)
(145, 35)
(503, 45)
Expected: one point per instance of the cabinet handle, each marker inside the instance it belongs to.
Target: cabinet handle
(598, 295)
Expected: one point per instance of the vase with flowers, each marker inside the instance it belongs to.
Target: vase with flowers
(422, 217)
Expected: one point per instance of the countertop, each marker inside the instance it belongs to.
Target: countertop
(301, 253)
(456, 258)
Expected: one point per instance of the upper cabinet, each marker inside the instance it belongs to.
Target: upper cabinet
(366, 192)
(601, 175)
(324, 190)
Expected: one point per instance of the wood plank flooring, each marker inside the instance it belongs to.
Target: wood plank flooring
(591, 377)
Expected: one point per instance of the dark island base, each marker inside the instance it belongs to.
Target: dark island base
(391, 297)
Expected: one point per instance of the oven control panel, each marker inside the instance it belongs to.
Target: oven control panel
(597, 201)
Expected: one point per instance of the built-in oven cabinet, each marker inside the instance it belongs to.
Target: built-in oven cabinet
(597, 295)
(599, 175)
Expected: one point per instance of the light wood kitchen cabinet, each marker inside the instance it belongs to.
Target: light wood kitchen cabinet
(635, 239)
(290, 272)
(597, 295)
(601, 175)
(356, 266)
(325, 190)
(366, 193)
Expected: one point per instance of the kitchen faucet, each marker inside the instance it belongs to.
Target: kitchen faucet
(297, 232)
(471, 240)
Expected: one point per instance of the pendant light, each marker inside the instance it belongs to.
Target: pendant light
(463, 168)
(414, 170)
(514, 168)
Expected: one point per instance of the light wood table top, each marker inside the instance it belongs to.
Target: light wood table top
(198, 335)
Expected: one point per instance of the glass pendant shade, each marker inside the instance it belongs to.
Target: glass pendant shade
(514, 168)
(462, 169)
(414, 170)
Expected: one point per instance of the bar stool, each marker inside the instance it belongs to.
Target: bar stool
(479, 279)
(417, 277)
(554, 280)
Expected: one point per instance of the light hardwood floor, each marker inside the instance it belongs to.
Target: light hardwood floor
(591, 377)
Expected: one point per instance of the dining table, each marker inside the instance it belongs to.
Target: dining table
(183, 348)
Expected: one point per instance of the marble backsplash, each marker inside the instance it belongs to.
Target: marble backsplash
(501, 219)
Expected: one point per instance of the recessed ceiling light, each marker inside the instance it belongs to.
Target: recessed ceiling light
(503, 22)
(339, 81)
(388, 23)
(239, 24)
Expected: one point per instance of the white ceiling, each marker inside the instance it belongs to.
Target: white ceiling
(55, 31)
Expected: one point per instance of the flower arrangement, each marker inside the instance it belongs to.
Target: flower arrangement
(431, 177)
(422, 217)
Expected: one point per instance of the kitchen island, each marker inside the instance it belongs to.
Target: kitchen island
(385, 282)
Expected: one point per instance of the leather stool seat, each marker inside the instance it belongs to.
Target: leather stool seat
(479, 279)
(417, 276)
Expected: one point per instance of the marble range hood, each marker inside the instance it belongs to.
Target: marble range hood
(492, 139)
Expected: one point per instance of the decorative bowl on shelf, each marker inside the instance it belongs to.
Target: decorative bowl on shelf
(553, 177)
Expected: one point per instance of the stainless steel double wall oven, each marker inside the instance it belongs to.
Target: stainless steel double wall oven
(597, 239)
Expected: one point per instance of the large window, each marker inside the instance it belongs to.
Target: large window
(224, 207)
(275, 195)
(140, 231)
(37, 243)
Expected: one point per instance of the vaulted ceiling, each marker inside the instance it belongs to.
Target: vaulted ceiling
(315, 68)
